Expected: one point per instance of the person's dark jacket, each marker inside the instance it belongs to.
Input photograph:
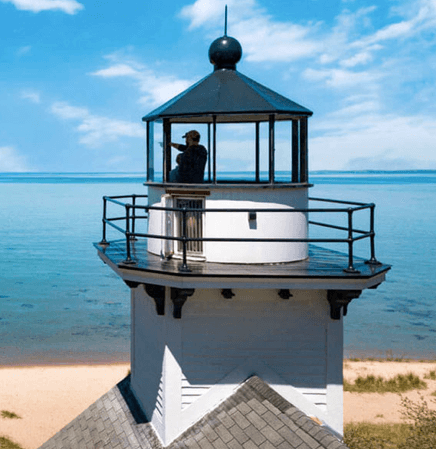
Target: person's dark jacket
(191, 167)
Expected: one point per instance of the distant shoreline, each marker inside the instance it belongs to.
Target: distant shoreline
(123, 361)
(318, 176)
(71, 360)
(312, 172)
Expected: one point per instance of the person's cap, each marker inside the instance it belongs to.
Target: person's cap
(195, 135)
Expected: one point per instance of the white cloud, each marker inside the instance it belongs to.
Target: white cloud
(262, 38)
(265, 40)
(117, 70)
(66, 111)
(96, 130)
(67, 6)
(31, 95)
(341, 78)
(369, 105)
(360, 58)
(351, 42)
(384, 161)
(211, 12)
(24, 50)
(156, 87)
(374, 139)
(117, 162)
(421, 15)
(11, 161)
(337, 41)
(389, 32)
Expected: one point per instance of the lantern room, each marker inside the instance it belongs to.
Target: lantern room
(224, 98)
(224, 104)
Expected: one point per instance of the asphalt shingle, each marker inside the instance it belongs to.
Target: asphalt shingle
(254, 417)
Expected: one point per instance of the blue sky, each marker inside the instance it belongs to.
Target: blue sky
(77, 76)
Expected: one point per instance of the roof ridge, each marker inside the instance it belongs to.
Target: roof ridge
(254, 416)
(256, 412)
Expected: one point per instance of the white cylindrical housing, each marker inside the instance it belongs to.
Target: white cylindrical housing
(237, 223)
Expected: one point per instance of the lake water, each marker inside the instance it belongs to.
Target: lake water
(60, 304)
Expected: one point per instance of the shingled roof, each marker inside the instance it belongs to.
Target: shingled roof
(231, 96)
(255, 416)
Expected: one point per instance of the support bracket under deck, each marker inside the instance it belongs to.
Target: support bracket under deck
(179, 297)
(339, 299)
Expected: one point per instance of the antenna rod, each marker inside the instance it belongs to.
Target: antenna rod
(225, 22)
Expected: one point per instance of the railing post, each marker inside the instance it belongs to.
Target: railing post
(104, 242)
(350, 268)
(133, 216)
(184, 267)
(372, 260)
(128, 236)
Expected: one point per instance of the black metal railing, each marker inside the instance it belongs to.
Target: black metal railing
(132, 211)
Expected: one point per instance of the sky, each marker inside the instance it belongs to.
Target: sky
(76, 77)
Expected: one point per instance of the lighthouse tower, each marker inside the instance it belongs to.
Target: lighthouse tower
(237, 304)
(226, 282)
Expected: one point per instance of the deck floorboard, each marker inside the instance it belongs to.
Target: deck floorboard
(321, 263)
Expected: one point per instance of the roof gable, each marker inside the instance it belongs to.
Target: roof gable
(255, 416)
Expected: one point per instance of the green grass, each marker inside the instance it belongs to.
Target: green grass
(9, 415)
(398, 384)
(418, 431)
(431, 375)
(6, 443)
(389, 357)
(375, 436)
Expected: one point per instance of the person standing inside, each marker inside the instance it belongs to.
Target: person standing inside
(192, 161)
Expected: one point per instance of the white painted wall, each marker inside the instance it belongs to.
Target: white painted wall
(181, 369)
(238, 225)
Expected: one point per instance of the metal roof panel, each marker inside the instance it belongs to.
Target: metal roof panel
(227, 92)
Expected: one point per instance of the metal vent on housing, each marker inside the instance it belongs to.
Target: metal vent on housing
(194, 225)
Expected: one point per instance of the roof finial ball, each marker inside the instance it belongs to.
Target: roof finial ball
(225, 52)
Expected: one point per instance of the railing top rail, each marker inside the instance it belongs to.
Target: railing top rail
(358, 206)
(133, 195)
(354, 203)
(275, 210)
(348, 207)
(114, 201)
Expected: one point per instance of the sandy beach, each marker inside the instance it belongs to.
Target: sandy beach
(384, 408)
(47, 398)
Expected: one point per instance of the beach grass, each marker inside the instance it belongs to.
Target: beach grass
(6, 443)
(418, 431)
(377, 384)
(364, 435)
(9, 415)
(431, 375)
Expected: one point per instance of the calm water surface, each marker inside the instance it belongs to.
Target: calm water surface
(60, 303)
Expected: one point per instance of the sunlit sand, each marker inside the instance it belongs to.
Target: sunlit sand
(49, 397)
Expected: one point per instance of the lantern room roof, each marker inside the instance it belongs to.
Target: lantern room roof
(227, 94)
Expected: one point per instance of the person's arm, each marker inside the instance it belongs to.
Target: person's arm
(178, 146)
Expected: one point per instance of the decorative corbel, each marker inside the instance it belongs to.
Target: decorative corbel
(157, 292)
(131, 284)
(339, 299)
(179, 297)
(285, 294)
(227, 293)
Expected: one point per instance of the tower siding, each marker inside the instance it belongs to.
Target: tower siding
(184, 367)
